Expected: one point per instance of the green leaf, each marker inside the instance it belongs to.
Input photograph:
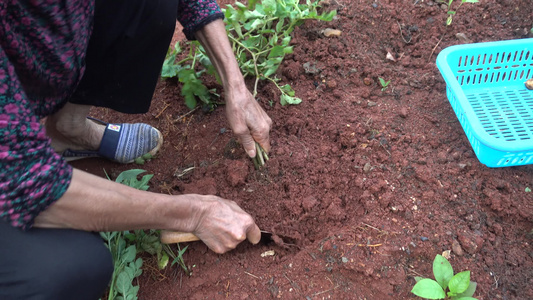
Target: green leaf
(442, 270)
(279, 25)
(123, 283)
(251, 4)
(269, 6)
(418, 278)
(470, 1)
(286, 99)
(182, 251)
(133, 293)
(130, 237)
(327, 16)
(253, 15)
(257, 23)
(163, 261)
(276, 51)
(129, 254)
(287, 89)
(288, 50)
(428, 288)
(138, 263)
(240, 5)
(129, 174)
(465, 298)
(130, 270)
(469, 291)
(459, 283)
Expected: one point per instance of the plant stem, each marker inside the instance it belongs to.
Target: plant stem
(254, 58)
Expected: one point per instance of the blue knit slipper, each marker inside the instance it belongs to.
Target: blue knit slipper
(123, 143)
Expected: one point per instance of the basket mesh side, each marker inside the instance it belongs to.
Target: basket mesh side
(506, 115)
(495, 66)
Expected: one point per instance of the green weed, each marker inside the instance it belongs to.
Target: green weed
(459, 285)
(260, 35)
(185, 69)
(384, 84)
(125, 245)
(452, 13)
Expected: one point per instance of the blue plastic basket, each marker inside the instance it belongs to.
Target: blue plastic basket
(485, 86)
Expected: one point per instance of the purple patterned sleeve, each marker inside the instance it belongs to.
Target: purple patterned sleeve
(195, 14)
(42, 48)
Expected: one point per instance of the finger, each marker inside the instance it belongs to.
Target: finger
(248, 143)
(253, 234)
(262, 135)
(264, 142)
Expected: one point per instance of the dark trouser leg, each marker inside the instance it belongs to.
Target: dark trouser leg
(126, 52)
(52, 264)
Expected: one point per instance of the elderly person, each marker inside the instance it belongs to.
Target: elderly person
(57, 59)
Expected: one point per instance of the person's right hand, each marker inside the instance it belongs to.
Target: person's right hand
(222, 224)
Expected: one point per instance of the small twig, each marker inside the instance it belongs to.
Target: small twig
(159, 114)
(364, 245)
(371, 227)
(435, 48)
(323, 292)
(416, 273)
(401, 33)
(252, 275)
(184, 115)
(184, 172)
(294, 285)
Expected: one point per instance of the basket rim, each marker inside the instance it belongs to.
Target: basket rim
(453, 84)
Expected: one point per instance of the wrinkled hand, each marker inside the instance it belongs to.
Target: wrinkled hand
(222, 224)
(248, 120)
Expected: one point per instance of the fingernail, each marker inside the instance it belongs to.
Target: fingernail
(251, 153)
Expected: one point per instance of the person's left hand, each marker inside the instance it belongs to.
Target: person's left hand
(248, 120)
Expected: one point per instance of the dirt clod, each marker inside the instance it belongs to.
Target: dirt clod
(456, 248)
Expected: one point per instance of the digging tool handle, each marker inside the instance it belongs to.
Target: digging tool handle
(172, 237)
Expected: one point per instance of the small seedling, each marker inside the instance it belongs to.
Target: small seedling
(528, 190)
(459, 285)
(179, 259)
(452, 13)
(125, 245)
(384, 84)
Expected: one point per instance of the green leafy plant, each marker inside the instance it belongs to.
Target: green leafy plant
(384, 84)
(125, 245)
(126, 266)
(452, 13)
(185, 69)
(260, 33)
(459, 285)
(260, 36)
